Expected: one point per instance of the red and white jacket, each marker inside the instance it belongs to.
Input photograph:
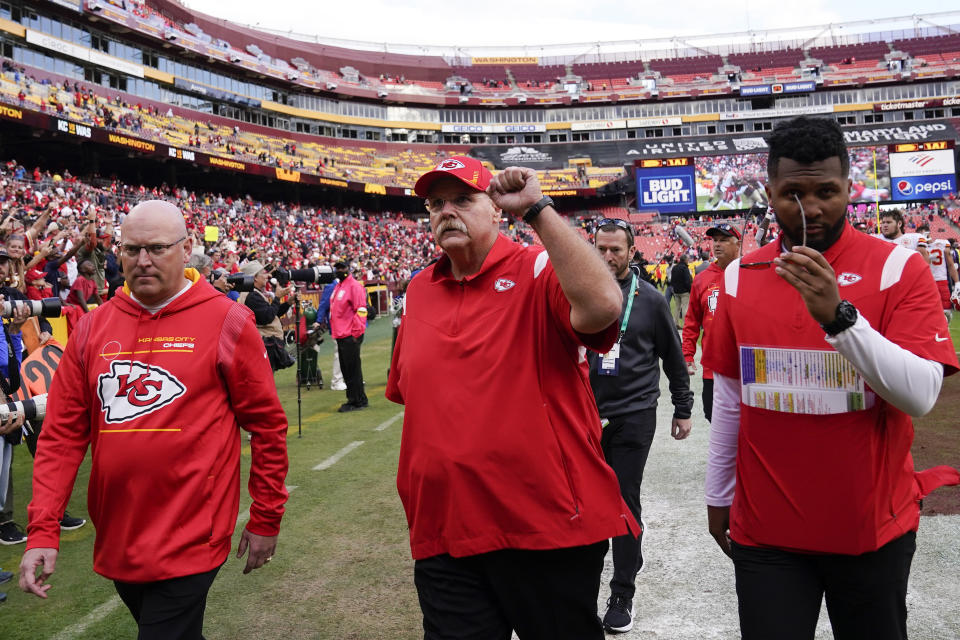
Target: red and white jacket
(703, 304)
(160, 398)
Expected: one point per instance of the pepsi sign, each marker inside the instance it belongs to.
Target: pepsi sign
(923, 187)
(666, 189)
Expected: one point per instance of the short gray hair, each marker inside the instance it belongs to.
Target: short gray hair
(199, 261)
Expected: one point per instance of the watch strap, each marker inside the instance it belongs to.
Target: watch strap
(846, 317)
(534, 211)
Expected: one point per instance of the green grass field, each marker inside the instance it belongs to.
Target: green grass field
(342, 568)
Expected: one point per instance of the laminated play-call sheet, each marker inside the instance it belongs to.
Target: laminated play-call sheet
(806, 381)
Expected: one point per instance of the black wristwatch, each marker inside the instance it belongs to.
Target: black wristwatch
(534, 211)
(846, 317)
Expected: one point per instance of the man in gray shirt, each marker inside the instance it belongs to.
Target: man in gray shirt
(626, 386)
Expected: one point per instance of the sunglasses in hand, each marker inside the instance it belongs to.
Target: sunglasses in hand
(769, 263)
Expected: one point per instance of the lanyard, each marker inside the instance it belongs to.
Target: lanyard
(626, 314)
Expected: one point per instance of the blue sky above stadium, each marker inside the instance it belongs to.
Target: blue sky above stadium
(538, 22)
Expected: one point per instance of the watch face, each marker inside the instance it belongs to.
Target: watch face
(848, 312)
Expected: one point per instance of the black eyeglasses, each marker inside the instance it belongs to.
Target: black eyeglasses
(155, 250)
(617, 222)
(769, 263)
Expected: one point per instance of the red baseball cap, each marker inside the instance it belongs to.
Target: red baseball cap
(468, 170)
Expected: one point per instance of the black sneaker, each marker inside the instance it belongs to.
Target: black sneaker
(5, 576)
(3, 597)
(619, 616)
(346, 406)
(11, 533)
(69, 523)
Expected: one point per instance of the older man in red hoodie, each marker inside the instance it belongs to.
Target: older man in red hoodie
(158, 381)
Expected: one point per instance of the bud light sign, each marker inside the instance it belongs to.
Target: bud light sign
(923, 187)
(666, 189)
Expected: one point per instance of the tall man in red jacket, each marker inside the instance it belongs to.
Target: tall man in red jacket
(158, 382)
(824, 343)
(703, 303)
(508, 498)
(348, 323)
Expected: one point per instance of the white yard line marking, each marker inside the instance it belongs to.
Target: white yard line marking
(335, 458)
(95, 616)
(383, 426)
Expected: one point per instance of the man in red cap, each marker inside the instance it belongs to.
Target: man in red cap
(508, 499)
(703, 302)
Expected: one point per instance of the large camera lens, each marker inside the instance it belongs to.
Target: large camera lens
(319, 275)
(240, 282)
(48, 307)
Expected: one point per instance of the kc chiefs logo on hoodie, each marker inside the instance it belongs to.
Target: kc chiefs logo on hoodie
(132, 389)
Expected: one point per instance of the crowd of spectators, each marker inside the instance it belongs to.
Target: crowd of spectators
(62, 212)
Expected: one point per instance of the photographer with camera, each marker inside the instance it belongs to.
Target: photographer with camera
(268, 314)
(11, 532)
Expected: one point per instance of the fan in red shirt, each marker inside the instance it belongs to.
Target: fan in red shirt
(824, 343)
(84, 289)
(703, 304)
(37, 286)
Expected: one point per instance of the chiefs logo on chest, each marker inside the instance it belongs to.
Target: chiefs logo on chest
(132, 389)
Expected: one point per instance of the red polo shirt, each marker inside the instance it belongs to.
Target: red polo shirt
(501, 436)
(840, 482)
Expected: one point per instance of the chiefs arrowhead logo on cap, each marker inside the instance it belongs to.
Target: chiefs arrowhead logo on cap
(468, 170)
(450, 164)
(132, 389)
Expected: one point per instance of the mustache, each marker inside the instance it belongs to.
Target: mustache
(451, 225)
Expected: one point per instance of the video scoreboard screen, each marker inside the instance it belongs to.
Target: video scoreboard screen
(922, 170)
(665, 185)
(731, 182)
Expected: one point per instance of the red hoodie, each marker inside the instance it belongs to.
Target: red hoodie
(160, 398)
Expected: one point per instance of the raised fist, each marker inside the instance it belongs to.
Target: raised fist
(515, 190)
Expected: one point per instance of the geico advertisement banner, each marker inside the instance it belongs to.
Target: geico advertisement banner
(921, 163)
(923, 187)
(667, 189)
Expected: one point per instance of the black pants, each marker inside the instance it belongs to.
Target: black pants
(626, 444)
(707, 397)
(6, 493)
(349, 350)
(780, 592)
(168, 609)
(548, 595)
